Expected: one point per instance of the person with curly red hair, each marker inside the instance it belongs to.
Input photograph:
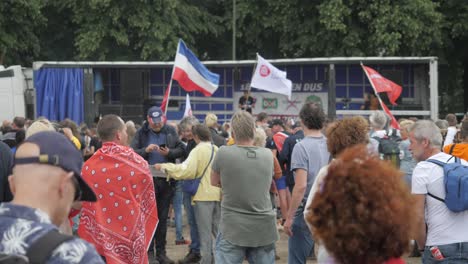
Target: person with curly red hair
(340, 134)
(362, 211)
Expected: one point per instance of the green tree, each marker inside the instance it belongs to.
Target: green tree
(137, 30)
(21, 22)
(318, 28)
(453, 56)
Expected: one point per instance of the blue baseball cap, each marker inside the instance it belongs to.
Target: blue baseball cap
(156, 114)
(57, 150)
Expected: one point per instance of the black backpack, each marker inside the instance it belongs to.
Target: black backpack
(40, 251)
(389, 148)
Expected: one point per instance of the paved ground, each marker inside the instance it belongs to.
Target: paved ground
(178, 252)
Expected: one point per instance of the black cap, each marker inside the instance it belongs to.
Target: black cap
(275, 122)
(56, 150)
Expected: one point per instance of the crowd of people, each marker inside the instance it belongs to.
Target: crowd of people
(352, 190)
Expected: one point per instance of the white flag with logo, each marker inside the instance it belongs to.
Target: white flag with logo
(267, 77)
(188, 107)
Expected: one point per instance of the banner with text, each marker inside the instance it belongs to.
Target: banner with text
(279, 105)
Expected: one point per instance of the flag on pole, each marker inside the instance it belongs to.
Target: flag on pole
(267, 77)
(394, 123)
(381, 84)
(165, 100)
(188, 107)
(191, 74)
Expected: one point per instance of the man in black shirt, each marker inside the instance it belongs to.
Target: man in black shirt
(247, 102)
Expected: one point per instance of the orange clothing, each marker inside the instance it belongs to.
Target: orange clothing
(277, 173)
(460, 150)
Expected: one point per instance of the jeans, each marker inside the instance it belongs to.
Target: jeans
(164, 192)
(453, 253)
(228, 253)
(177, 204)
(207, 215)
(301, 244)
(195, 244)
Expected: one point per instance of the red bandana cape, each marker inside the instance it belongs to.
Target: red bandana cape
(122, 222)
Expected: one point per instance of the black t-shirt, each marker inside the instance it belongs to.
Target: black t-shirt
(246, 103)
(6, 160)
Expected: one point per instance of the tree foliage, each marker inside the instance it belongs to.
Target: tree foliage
(302, 28)
(20, 28)
(137, 30)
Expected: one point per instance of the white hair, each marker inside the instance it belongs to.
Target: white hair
(378, 119)
(426, 129)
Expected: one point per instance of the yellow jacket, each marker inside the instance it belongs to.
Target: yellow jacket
(193, 167)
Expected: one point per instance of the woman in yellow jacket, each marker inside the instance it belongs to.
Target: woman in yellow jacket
(207, 198)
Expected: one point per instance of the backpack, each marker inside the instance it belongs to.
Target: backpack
(389, 148)
(456, 185)
(40, 251)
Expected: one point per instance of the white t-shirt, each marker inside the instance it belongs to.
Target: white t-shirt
(444, 226)
(451, 132)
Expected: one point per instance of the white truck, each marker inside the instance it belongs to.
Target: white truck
(16, 92)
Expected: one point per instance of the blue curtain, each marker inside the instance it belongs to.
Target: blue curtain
(59, 93)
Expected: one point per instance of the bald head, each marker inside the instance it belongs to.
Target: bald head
(42, 186)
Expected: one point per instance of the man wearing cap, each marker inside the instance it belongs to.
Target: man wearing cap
(122, 222)
(158, 143)
(46, 181)
(286, 153)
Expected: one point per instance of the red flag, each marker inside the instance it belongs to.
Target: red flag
(394, 122)
(381, 84)
(166, 99)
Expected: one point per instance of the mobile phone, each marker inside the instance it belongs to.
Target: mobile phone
(162, 146)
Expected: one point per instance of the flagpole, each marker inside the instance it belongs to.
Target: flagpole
(170, 82)
(253, 72)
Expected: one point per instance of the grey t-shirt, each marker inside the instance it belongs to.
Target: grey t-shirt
(247, 217)
(311, 154)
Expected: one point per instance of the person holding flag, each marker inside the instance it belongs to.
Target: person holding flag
(157, 142)
(382, 85)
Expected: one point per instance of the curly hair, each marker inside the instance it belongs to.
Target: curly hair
(363, 212)
(347, 132)
(312, 116)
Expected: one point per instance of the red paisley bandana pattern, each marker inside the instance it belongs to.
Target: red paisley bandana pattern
(122, 222)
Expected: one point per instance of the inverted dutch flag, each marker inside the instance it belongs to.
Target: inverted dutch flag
(191, 74)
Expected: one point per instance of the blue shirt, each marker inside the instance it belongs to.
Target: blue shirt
(158, 139)
(21, 226)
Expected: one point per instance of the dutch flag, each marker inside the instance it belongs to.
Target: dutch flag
(191, 74)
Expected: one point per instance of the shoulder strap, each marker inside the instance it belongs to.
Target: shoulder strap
(451, 148)
(42, 248)
(435, 197)
(207, 165)
(440, 163)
